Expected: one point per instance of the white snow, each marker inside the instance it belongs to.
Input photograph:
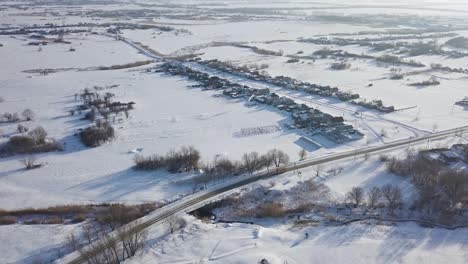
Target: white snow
(34, 243)
(356, 243)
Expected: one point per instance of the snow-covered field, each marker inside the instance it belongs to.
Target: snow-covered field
(169, 114)
(34, 243)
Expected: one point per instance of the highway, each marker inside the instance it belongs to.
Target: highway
(202, 198)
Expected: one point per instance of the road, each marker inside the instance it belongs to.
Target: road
(200, 199)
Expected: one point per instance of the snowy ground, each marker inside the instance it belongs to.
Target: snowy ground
(169, 114)
(34, 243)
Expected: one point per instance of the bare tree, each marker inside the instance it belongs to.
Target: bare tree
(175, 223)
(107, 252)
(251, 161)
(366, 156)
(266, 160)
(111, 252)
(39, 135)
(302, 154)
(92, 231)
(72, 242)
(356, 196)
(28, 114)
(225, 166)
(21, 128)
(373, 197)
(29, 162)
(318, 170)
(392, 194)
(279, 157)
(451, 185)
(133, 239)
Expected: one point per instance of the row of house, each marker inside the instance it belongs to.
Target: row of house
(304, 117)
(463, 102)
(294, 84)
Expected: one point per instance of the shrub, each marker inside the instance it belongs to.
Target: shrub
(30, 162)
(21, 128)
(225, 166)
(10, 117)
(292, 60)
(340, 66)
(185, 159)
(389, 59)
(270, 210)
(28, 115)
(39, 135)
(117, 215)
(21, 142)
(98, 134)
(124, 66)
(32, 222)
(28, 144)
(78, 218)
(431, 82)
(153, 162)
(54, 220)
(8, 220)
(383, 158)
(91, 115)
(52, 145)
(396, 76)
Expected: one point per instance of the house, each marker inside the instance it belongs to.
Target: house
(274, 99)
(228, 91)
(264, 91)
(463, 102)
(292, 108)
(448, 156)
(260, 99)
(303, 107)
(337, 119)
(287, 101)
(282, 107)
